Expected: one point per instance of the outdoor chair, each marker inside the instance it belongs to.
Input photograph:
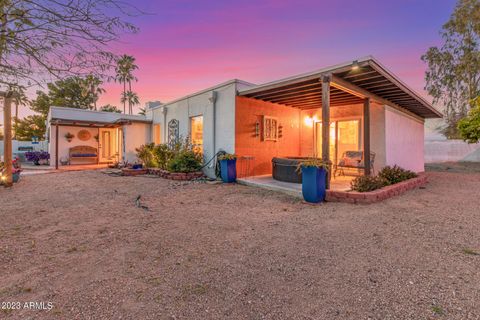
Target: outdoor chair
(353, 160)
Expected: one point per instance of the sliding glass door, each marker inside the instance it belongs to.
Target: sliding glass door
(344, 136)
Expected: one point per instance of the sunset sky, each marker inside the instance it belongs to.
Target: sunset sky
(185, 46)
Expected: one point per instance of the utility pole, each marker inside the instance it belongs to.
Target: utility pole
(7, 135)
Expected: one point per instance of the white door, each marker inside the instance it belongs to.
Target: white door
(107, 147)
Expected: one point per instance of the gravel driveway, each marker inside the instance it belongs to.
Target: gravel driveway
(78, 241)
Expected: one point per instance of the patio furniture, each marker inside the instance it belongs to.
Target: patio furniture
(285, 169)
(83, 154)
(353, 160)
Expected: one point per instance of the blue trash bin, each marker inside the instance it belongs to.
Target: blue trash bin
(314, 184)
(228, 170)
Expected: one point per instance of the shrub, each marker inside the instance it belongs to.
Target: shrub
(366, 183)
(184, 158)
(145, 155)
(395, 174)
(186, 161)
(36, 156)
(162, 154)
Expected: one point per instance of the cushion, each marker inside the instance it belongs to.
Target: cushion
(83, 155)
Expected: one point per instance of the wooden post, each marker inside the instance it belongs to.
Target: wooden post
(366, 135)
(56, 145)
(326, 123)
(7, 138)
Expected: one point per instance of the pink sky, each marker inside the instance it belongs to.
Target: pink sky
(186, 46)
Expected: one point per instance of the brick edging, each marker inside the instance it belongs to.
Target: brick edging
(184, 176)
(376, 195)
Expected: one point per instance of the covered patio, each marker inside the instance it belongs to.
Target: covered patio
(337, 111)
(80, 138)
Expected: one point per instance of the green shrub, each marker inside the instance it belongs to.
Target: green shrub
(366, 183)
(185, 161)
(145, 155)
(162, 154)
(184, 157)
(395, 174)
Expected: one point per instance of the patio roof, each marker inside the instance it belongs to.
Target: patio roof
(351, 83)
(90, 118)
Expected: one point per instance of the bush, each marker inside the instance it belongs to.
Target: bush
(162, 154)
(145, 155)
(36, 156)
(366, 183)
(185, 161)
(395, 174)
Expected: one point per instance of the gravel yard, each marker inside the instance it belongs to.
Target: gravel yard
(77, 240)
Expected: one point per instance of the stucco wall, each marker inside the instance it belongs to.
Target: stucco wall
(201, 104)
(135, 135)
(451, 150)
(404, 141)
(64, 146)
(248, 112)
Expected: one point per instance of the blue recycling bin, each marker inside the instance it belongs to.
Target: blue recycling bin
(314, 184)
(228, 170)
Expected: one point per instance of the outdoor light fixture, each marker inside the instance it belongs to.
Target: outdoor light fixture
(355, 65)
(257, 128)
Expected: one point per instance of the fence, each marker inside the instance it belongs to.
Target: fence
(451, 151)
(17, 147)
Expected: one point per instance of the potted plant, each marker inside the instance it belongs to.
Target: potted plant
(96, 137)
(69, 136)
(228, 167)
(314, 174)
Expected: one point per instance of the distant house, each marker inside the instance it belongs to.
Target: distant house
(369, 111)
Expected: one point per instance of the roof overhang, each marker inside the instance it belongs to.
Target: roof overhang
(351, 83)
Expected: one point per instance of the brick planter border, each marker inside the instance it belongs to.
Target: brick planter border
(175, 175)
(376, 195)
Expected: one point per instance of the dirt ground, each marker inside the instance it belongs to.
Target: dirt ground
(78, 241)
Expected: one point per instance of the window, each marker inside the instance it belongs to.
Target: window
(196, 132)
(157, 134)
(270, 128)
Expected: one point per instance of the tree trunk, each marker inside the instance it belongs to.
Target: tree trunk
(15, 121)
(124, 100)
(129, 100)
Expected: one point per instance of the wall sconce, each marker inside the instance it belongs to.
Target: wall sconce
(308, 121)
(257, 129)
(280, 131)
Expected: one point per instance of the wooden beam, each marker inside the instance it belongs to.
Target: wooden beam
(366, 136)
(326, 123)
(7, 138)
(367, 94)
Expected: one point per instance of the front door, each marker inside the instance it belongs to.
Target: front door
(107, 148)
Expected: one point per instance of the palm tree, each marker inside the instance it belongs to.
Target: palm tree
(143, 111)
(125, 66)
(20, 99)
(131, 98)
(91, 87)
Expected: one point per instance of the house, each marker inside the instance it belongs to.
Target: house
(95, 136)
(358, 106)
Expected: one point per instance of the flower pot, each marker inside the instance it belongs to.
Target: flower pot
(313, 184)
(228, 170)
(69, 139)
(36, 162)
(15, 177)
(137, 166)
